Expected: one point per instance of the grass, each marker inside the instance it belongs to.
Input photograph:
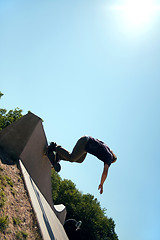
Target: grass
(16, 221)
(2, 197)
(3, 223)
(9, 181)
(3, 182)
(13, 192)
(4, 179)
(21, 235)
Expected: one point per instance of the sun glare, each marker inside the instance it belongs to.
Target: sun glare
(137, 13)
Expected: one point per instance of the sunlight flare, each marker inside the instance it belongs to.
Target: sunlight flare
(137, 13)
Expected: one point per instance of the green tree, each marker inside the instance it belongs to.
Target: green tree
(1, 94)
(84, 207)
(6, 118)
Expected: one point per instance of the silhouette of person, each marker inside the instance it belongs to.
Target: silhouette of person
(84, 145)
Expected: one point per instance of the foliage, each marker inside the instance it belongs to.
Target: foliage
(4, 180)
(3, 223)
(3, 184)
(1, 94)
(84, 207)
(16, 220)
(2, 197)
(6, 118)
(9, 180)
(21, 235)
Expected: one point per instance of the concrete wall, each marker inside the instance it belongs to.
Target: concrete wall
(37, 165)
(50, 226)
(25, 139)
(14, 137)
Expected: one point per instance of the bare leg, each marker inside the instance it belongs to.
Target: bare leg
(78, 154)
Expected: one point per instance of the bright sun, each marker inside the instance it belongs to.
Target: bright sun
(137, 13)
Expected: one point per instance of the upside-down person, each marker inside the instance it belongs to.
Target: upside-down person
(83, 146)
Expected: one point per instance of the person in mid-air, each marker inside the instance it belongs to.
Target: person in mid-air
(83, 146)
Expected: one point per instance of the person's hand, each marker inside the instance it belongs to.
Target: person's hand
(100, 188)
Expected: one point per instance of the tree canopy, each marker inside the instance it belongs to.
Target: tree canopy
(84, 207)
(7, 117)
(1, 94)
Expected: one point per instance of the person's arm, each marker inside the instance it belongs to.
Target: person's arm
(103, 178)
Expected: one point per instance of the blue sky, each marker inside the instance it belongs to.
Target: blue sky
(92, 67)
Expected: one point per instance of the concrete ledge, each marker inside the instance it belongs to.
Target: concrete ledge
(50, 226)
(25, 139)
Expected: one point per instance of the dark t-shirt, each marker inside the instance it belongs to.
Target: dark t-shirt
(100, 150)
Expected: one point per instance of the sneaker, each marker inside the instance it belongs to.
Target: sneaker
(52, 147)
(57, 167)
(54, 159)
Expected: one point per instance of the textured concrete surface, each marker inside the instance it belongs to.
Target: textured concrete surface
(50, 226)
(25, 139)
(14, 137)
